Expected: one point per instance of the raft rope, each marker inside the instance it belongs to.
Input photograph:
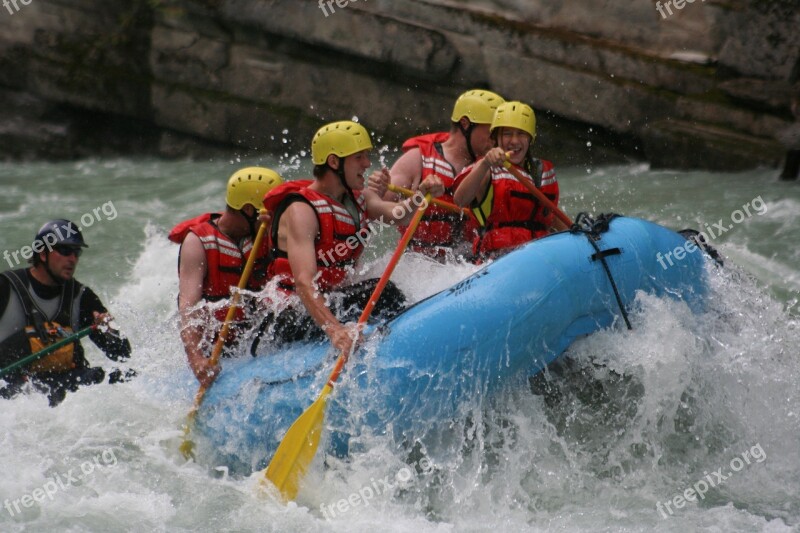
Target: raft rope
(699, 239)
(593, 228)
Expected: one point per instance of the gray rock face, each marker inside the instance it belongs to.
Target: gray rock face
(182, 77)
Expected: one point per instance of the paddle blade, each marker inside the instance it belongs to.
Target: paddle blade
(297, 450)
(187, 446)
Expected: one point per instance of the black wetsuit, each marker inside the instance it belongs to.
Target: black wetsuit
(72, 305)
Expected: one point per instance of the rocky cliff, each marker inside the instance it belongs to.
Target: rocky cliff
(708, 84)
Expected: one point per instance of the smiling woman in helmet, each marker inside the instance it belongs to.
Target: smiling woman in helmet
(444, 154)
(319, 228)
(214, 250)
(507, 212)
(43, 304)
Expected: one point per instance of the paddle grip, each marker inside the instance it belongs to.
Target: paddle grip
(435, 201)
(53, 347)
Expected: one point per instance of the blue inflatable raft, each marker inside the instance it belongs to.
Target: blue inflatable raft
(502, 324)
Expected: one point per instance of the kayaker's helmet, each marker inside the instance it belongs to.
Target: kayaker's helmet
(515, 115)
(340, 139)
(477, 105)
(60, 231)
(249, 185)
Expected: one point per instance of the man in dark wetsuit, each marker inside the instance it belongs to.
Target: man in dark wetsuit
(40, 305)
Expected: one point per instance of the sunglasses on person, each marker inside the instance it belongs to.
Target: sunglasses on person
(67, 251)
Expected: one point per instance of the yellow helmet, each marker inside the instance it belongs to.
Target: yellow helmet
(249, 185)
(515, 115)
(339, 138)
(477, 105)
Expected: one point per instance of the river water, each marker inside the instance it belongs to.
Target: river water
(625, 436)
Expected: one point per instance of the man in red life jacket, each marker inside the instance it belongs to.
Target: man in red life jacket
(214, 250)
(444, 155)
(318, 232)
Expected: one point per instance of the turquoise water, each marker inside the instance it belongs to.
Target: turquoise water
(634, 421)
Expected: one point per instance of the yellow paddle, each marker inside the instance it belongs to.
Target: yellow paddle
(299, 445)
(435, 201)
(187, 446)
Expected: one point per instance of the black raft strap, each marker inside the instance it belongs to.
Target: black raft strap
(592, 228)
(606, 253)
(601, 256)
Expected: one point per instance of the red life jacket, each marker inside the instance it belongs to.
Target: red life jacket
(339, 243)
(516, 216)
(225, 260)
(439, 228)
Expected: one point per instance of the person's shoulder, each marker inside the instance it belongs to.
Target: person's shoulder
(299, 222)
(299, 212)
(191, 238)
(410, 156)
(192, 244)
(548, 173)
(192, 253)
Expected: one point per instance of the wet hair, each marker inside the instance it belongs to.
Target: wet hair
(319, 170)
(35, 260)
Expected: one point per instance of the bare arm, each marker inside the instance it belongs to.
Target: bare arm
(297, 230)
(190, 291)
(477, 180)
(378, 208)
(407, 170)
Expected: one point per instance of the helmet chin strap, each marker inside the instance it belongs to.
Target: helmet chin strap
(340, 173)
(467, 133)
(251, 221)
